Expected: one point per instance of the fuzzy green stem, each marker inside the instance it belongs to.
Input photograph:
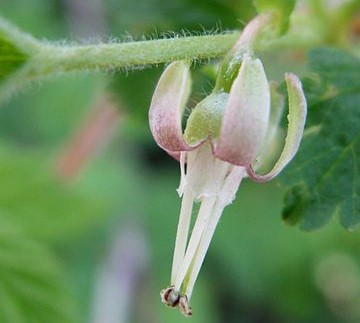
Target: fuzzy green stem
(46, 60)
(102, 57)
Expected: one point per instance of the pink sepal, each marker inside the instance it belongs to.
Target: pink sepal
(246, 115)
(167, 105)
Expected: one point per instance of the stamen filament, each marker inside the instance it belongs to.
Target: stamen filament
(182, 233)
(205, 211)
(202, 249)
(231, 182)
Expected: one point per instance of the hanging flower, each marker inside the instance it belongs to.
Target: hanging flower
(224, 136)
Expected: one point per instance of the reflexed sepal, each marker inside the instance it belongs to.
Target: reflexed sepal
(167, 106)
(296, 123)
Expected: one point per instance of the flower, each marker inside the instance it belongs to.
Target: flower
(224, 136)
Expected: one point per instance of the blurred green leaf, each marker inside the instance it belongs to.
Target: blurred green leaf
(336, 67)
(42, 204)
(57, 109)
(156, 16)
(324, 177)
(133, 92)
(32, 289)
(283, 8)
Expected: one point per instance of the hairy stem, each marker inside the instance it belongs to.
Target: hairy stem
(102, 57)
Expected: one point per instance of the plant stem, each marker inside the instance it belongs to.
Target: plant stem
(103, 57)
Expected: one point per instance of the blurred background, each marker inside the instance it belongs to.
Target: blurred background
(88, 202)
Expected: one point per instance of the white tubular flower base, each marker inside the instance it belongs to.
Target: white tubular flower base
(214, 183)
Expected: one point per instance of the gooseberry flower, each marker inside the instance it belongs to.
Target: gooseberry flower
(223, 139)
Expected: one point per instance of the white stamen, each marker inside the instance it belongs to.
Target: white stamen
(204, 213)
(183, 183)
(214, 183)
(230, 186)
(182, 233)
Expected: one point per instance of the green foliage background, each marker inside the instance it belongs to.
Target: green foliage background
(57, 236)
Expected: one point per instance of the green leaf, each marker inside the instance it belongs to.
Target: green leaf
(43, 205)
(11, 58)
(283, 8)
(16, 49)
(324, 177)
(336, 67)
(32, 288)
